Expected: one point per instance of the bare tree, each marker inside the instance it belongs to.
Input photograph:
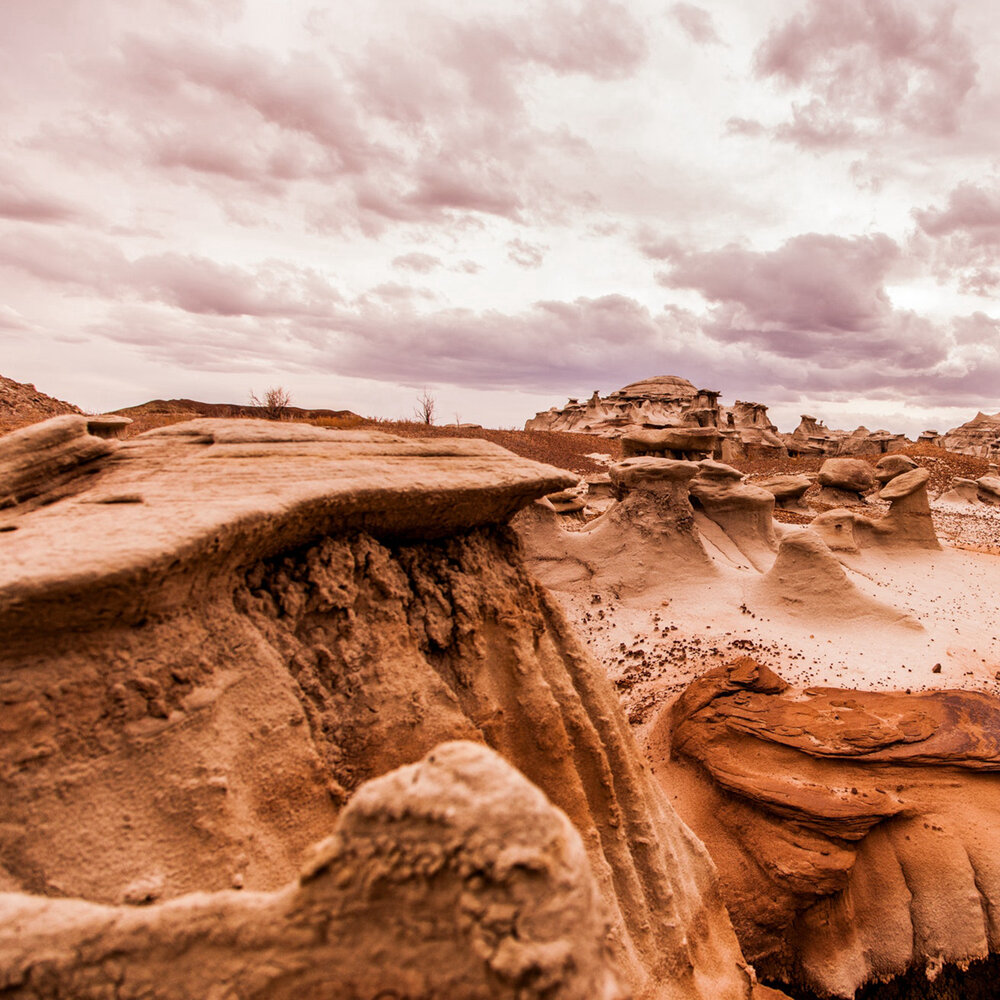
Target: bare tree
(424, 410)
(274, 402)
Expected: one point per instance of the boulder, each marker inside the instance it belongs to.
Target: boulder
(224, 628)
(499, 877)
(850, 474)
(853, 830)
(787, 491)
(893, 465)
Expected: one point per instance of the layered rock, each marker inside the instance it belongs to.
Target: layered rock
(852, 829)
(216, 632)
(497, 877)
(980, 436)
(669, 402)
(813, 438)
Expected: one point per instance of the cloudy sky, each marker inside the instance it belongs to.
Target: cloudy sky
(507, 203)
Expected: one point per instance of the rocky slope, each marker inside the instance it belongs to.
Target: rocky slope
(22, 404)
(217, 632)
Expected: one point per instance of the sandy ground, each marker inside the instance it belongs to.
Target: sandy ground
(946, 635)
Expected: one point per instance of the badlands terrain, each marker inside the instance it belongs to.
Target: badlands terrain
(328, 707)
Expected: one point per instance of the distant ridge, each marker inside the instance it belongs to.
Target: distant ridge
(195, 408)
(22, 404)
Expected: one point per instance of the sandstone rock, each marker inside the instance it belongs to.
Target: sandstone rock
(850, 827)
(678, 443)
(498, 878)
(107, 425)
(893, 465)
(907, 525)
(963, 493)
(980, 436)
(850, 474)
(566, 502)
(807, 581)
(288, 613)
(787, 490)
(744, 512)
(669, 403)
(989, 489)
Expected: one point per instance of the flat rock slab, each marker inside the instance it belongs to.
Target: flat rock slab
(209, 491)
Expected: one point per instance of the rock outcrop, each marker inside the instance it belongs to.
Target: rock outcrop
(22, 404)
(216, 632)
(744, 512)
(813, 438)
(906, 525)
(457, 867)
(980, 436)
(668, 403)
(806, 581)
(893, 465)
(853, 830)
(963, 493)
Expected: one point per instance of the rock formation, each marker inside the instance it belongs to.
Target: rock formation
(806, 581)
(813, 438)
(22, 404)
(979, 436)
(668, 403)
(744, 512)
(788, 491)
(989, 489)
(853, 830)
(497, 877)
(963, 493)
(906, 525)
(216, 632)
(893, 465)
(845, 480)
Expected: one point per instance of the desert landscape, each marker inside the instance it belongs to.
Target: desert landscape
(294, 710)
(499, 500)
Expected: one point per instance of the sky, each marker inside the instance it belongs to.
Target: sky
(504, 204)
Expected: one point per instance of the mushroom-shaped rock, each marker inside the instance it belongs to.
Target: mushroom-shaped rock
(671, 442)
(457, 867)
(989, 489)
(891, 466)
(650, 473)
(844, 480)
(908, 523)
(807, 580)
(963, 493)
(566, 502)
(854, 830)
(787, 490)
(108, 425)
(743, 512)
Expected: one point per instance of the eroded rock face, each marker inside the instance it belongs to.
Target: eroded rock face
(743, 511)
(264, 616)
(979, 436)
(457, 867)
(852, 829)
(906, 525)
(893, 465)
